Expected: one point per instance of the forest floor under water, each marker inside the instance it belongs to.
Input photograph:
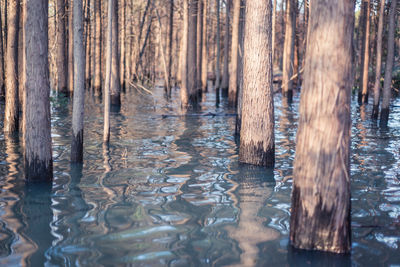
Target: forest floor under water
(169, 191)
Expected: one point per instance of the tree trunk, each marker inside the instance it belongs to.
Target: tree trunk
(225, 75)
(70, 48)
(320, 218)
(61, 53)
(122, 32)
(22, 63)
(37, 137)
(387, 84)
(115, 84)
(204, 58)
(288, 50)
(184, 53)
(107, 89)
(257, 144)
(2, 68)
(11, 116)
(218, 41)
(233, 78)
(192, 52)
(242, 20)
(79, 82)
(363, 93)
(97, 52)
(199, 45)
(273, 32)
(378, 70)
(170, 42)
(88, 44)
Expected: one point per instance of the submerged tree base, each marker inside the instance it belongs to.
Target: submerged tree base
(384, 117)
(375, 112)
(77, 148)
(255, 154)
(38, 170)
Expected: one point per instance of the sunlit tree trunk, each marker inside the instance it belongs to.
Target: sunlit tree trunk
(107, 89)
(363, 92)
(37, 136)
(218, 43)
(204, 58)
(320, 218)
(387, 84)
(378, 70)
(122, 32)
(257, 141)
(70, 47)
(79, 83)
(97, 52)
(233, 78)
(61, 53)
(11, 116)
(225, 75)
(184, 59)
(288, 50)
(115, 84)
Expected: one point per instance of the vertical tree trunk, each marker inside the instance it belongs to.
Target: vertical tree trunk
(115, 84)
(288, 50)
(204, 58)
(170, 42)
(199, 45)
(97, 52)
(22, 63)
(70, 48)
(320, 218)
(218, 41)
(233, 78)
(79, 83)
(242, 22)
(257, 142)
(378, 70)
(88, 44)
(107, 89)
(2, 68)
(128, 47)
(363, 92)
(273, 32)
(387, 84)
(184, 93)
(225, 75)
(37, 137)
(61, 53)
(192, 52)
(122, 33)
(11, 116)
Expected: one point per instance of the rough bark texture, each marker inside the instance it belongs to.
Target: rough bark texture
(387, 84)
(378, 70)
(115, 84)
(70, 47)
(192, 51)
(233, 78)
(225, 75)
(242, 21)
(183, 64)
(363, 92)
(97, 52)
(11, 116)
(61, 53)
(37, 137)
(88, 43)
(257, 144)
(2, 87)
(320, 218)
(199, 44)
(107, 89)
(218, 46)
(204, 57)
(79, 82)
(273, 31)
(288, 50)
(122, 38)
(170, 42)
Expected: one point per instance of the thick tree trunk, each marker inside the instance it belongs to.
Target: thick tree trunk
(233, 78)
(363, 92)
(225, 75)
(192, 52)
(79, 82)
(61, 53)
(37, 137)
(218, 43)
(115, 84)
(387, 84)
(288, 50)
(257, 142)
(11, 116)
(199, 45)
(107, 89)
(70, 48)
(184, 93)
(204, 58)
(97, 52)
(320, 218)
(378, 70)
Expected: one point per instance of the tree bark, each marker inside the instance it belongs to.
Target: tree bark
(273, 32)
(170, 42)
(122, 33)
(225, 75)
(184, 93)
(378, 70)
(199, 46)
(363, 93)
(192, 52)
(242, 22)
(107, 89)
(257, 141)
(11, 116)
(320, 218)
(204, 58)
(115, 83)
(97, 52)
(37, 137)
(61, 53)
(218, 43)
(387, 84)
(233, 78)
(2, 67)
(288, 50)
(88, 44)
(79, 82)
(70, 48)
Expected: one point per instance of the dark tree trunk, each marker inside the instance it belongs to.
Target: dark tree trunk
(242, 23)
(288, 53)
(192, 52)
(225, 75)
(199, 45)
(320, 218)
(233, 78)
(61, 53)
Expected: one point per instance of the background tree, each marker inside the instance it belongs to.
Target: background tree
(233, 78)
(61, 53)
(363, 92)
(115, 83)
(225, 74)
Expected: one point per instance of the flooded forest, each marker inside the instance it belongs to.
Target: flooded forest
(199, 133)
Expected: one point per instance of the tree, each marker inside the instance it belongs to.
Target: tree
(70, 47)
(257, 141)
(107, 89)
(233, 78)
(288, 50)
(320, 218)
(11, 116)
(192, 51)
(218, 41)
(2, 78)
(115, 83)
(225, 75)
(170, 42)
(204, 57)
(387, 84)
(200, 13)
(79, 83)
(363, 92)
(37, 134)
(378, 71)
(97, 52)
(184, 92)
(61, 55)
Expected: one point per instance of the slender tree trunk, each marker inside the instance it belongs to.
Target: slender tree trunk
(22, 64)
(37, 137)
(192, 52)
(242, 22)
(184, 93)
(200, 45)
(2, 68)
(115, 84)
(79, 82)
(97, 52)
(122, 32)
(257, 141)
(61, 53)
(88, 44)
(363, 93)
(233, 78)
(170, 42)
(70, 48)
(320, 218)
(218, 41)
(225, 75)
(273, 32)
(378, 71)
(128, 48)
(288, 51)
(204, 58)
(11, 116)
(387, 84)
(108, 82)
